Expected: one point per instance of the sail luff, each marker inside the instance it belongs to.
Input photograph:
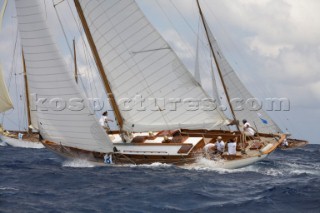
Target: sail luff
(5, 100)
(217, 65)
(99, 65)
(26, 91)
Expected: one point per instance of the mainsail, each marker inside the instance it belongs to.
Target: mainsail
(63, 113)
(236, 90)
(140, 64)
(5, 101)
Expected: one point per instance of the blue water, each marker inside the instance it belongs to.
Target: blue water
(36, 180)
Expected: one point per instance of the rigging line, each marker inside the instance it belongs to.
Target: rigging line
(208, 32)
(190, 52)
(86, 53)
(282, 117)
(187, 22)
(91, 90)
(90, 74)
(64, 32)
(55, 4)
(230, 68)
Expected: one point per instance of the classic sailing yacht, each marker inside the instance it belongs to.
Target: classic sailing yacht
(26, 139)
(149, 88)
(29, 138)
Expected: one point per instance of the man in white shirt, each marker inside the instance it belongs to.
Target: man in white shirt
(220, 145)
(104, 121)
(285, 143)
(232, 147)
(247, 128)
(209, 149)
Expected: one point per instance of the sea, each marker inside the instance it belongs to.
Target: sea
(37, 180)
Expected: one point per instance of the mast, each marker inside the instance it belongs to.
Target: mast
(27, 91)
(218, 67)
(75, 61)
(99, 64)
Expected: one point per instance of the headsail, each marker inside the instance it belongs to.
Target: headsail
(5, 101)
(63, 115)
(2, 11)
(237, 90)
(140, 63)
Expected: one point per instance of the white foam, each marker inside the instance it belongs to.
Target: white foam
(78, 163)
(8, 189)
(203, 164)
(153, 165)
(2, 143)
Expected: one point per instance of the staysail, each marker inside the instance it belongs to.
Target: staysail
(237, 91)
(62, 111)
(5, 101)
(151, 85)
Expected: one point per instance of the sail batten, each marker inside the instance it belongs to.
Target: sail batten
(58, 117)
(138, 61)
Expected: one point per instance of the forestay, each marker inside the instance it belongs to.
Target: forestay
(62, 111)
(139, 63)
(236, 89)
(5, 101)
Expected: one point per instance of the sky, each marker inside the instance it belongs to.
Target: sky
(273, 45)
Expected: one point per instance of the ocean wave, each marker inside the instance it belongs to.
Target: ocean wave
(8, 189)
(204, 164)
(269, 168)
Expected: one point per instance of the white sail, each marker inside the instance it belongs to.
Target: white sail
(237, 90)
(71, 125)
(5, 101)
(139, 62)
(215, 91)
(197, 74)
(3, 9)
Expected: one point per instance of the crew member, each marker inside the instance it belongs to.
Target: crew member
(220, 145)
(247, 128)
(104, 121)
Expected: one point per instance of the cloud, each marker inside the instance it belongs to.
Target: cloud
(274, 45)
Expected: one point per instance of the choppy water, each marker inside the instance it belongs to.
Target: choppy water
(36, 180)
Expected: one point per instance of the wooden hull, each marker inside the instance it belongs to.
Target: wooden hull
(177, 153)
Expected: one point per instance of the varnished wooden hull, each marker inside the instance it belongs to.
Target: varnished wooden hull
(123, 155)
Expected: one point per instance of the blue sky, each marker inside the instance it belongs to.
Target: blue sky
(274, 46)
